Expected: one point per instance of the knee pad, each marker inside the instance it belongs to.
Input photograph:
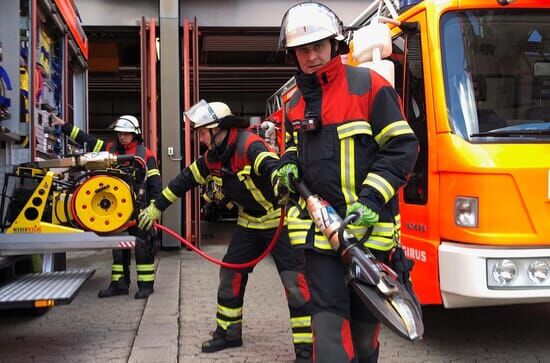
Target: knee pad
(296, 288)
(231, 283)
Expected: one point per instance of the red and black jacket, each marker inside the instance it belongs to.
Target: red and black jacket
(92, 143)
(245, 179)
(362, 150)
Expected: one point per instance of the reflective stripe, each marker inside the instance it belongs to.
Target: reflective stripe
(146, 278)
(291, 149)
(260, 157)
(230, 312)
(379, 243)
(383, 229)
(244, 176)
(196, 173)
(321, 242)
(354, 128)
(288, 137)
(226, 324)
(98, 146)
(168, 194)
(145, 267)
(298, 338)
(394, 129)
(273, 175)
(152, 172)
(270, 220)
(116, 277)
(117, 267)
(381, 185)
(74, 132)
(217, 180)
(300, 322)
(347, 169)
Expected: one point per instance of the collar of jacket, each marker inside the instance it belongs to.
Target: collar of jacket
(326, 74)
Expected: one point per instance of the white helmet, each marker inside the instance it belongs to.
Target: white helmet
(214, 114)
(126, 123)
(307, 23)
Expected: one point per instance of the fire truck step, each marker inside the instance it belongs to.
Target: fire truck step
(43, 289)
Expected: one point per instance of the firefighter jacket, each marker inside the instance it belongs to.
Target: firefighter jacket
(362, 150)
(244, 176)
(92, 144)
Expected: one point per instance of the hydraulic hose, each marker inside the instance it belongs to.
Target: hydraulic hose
(233, 266)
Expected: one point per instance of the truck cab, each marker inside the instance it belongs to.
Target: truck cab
(474, 77)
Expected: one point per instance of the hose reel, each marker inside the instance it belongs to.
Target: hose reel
(102, 204)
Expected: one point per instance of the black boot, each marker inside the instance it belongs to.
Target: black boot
(115, 288)
(222, 339)
(304, 353)
(145, 289)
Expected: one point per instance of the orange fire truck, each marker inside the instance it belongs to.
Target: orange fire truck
(474, 77)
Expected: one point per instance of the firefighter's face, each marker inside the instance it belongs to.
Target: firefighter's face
(205, 137)
(313, 56)
(125, 137)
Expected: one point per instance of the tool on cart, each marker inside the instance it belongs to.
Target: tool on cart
(374, 282)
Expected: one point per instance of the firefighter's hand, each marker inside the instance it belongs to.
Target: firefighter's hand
(366, 216)
(55, 121)
(283, 176)
(148, 216)
(281, 192)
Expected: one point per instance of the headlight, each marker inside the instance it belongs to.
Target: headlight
(466, 211)
(538, 271)
(505, 271)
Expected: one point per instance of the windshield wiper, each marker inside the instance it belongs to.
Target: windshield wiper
(508, 133)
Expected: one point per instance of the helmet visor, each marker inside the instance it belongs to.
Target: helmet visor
(202, 115)
(307, 23)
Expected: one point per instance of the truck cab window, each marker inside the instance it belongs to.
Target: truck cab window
(409, 83)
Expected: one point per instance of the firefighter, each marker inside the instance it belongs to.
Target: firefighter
(242, 165)
(347, 138)
(129, 141)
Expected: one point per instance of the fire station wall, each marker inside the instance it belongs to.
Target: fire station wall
(237, 13)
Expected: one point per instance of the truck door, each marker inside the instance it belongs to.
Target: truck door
(418, 197)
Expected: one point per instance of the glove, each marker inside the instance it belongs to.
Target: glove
(148, 216)
(367, 217)
(283, 177)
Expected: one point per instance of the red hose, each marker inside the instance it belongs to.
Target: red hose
(233, 266)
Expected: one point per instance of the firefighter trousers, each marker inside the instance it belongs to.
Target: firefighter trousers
(245, 245)
(145, 261)
(344, 330)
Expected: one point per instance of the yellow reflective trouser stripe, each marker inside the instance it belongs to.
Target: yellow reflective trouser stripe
(145, 267)
(196, 173)
(260, 157)
(394, 129)
(116, 271)
(347, 170)
(300, 322)
(115, 277)
(354, 128)
(298, 338)
(381, 185)
(226, 324)
(383, 229)
(117, 267)
(168, 194)
(74, 132)
(152, 172)
(98, 146)
(230, 312)
(146, 278)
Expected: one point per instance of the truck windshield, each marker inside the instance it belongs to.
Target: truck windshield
(496, 67)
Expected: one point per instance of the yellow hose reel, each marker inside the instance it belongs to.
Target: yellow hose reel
(102, 204)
